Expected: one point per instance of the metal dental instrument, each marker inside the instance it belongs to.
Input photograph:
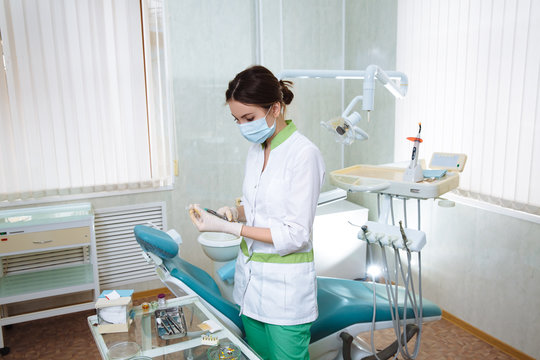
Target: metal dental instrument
(216, 214)
(169, 323)
(165, 326)
(173, 322)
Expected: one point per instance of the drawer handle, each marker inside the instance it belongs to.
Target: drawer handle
(42, 241)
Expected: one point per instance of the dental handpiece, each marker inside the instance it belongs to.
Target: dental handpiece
(403, 236)
(364, 230)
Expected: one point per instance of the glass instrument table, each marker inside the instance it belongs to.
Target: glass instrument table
(143, 332)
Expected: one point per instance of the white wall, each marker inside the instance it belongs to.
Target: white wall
(484, 267)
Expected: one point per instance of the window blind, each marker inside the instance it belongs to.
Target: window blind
(75, 99)
(474, 73)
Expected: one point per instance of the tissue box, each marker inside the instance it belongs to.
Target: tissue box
(113, 311)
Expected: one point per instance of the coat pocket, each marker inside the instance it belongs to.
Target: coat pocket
(288, 291)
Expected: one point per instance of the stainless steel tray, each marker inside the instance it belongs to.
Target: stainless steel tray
(170, 323)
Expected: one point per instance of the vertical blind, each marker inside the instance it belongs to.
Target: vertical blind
(77, 115)
(474, 80)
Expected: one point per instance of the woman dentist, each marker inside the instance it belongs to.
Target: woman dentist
(275, 283)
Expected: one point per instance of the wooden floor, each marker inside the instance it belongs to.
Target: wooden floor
(68, 337)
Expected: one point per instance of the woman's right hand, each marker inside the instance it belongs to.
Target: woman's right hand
(204, 221)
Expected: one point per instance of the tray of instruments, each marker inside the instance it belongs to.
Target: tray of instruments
(389, 180)
(170, 323)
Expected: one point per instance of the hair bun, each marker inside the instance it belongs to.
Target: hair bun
(286, 92)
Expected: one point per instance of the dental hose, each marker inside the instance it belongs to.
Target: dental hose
(372, 332)
(393, 298)
(418, 315)
(388, 293)
(390, 296)
(409, 280)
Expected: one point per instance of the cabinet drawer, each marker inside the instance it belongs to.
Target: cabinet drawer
(43, 240)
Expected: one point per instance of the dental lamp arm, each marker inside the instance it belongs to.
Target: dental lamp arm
(350, 106)
(332, 74)
(374, 72)
(371, 73)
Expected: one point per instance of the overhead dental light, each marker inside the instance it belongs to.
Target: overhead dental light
(345, 126)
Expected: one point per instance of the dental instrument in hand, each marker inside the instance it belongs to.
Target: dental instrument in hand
(216, 214)
(210, 211)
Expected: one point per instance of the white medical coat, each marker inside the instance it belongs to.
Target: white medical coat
(283, 198)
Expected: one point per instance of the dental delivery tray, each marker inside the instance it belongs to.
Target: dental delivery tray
(170, 323)
(389, 180)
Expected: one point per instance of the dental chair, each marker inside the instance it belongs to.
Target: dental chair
(345, 306)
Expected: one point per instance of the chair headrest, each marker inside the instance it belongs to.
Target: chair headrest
(155, 241)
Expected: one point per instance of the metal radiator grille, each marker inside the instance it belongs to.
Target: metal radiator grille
(119, 255)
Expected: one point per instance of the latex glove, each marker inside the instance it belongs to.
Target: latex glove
(204, 221)
(231, 213)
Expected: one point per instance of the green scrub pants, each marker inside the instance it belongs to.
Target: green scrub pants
(277, 342)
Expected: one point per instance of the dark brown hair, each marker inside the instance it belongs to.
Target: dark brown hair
(258, 86)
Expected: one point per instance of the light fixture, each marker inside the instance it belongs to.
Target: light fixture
(344, 127)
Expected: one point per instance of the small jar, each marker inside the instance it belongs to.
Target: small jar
(145, 307)
(161, 301)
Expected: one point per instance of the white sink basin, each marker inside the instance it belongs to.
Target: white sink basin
(220, 247)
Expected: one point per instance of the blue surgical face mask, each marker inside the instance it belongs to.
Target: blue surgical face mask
(257, 131)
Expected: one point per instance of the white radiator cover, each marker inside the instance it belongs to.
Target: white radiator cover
(119, 255)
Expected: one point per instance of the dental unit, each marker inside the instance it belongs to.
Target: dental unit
(346, 307)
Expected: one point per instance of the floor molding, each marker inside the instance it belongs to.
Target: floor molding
(486, 337)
